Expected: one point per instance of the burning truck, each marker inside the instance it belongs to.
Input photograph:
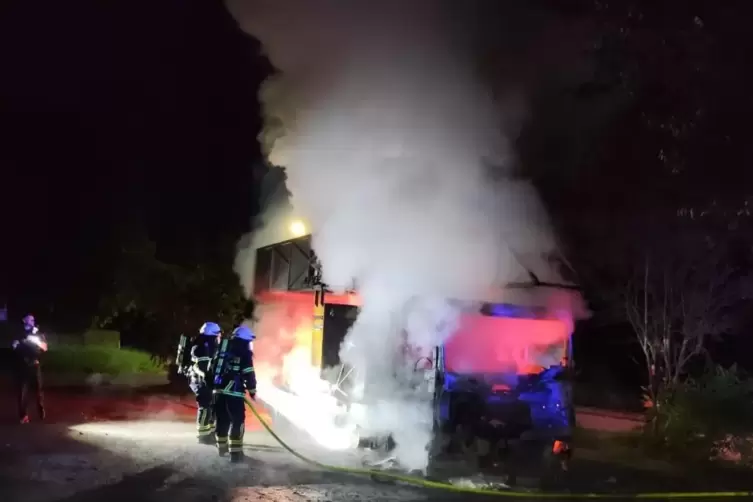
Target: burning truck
(502, 376)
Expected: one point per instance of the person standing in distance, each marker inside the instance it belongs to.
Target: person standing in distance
(28, 348)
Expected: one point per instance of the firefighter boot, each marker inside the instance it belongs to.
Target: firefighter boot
(222, 446)
(207, 439)
(236, 449)
(205, 425)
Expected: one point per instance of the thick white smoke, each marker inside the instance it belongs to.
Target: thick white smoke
(270, 227)
(394, 155)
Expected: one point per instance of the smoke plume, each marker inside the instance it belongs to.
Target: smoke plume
(394, 152)
(269, 227)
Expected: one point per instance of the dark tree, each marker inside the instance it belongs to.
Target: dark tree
(153, 301)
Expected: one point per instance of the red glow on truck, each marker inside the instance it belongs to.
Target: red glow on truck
(486, 344)
(481, 344)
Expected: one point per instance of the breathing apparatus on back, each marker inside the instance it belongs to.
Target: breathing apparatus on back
(183, 356)
(186, 343)
(219, 364)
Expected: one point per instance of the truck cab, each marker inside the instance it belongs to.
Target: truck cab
(503, 378)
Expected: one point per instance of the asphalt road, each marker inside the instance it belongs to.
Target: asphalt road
(142, 449)
(155, 458)
(157, 461)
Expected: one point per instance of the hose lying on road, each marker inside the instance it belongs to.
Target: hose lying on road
(416, 481)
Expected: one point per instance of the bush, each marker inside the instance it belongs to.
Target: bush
(106, 337)
(89, 359)
(704, 415)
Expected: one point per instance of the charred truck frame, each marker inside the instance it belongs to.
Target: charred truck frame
(507, 406)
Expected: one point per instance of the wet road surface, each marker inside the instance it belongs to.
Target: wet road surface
(142, 448)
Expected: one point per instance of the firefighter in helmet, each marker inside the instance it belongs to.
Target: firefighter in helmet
(28, 348)
(202, 352)
(234, 375)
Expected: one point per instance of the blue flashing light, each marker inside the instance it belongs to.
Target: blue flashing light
(444, 404)
(512, 311)
(548, 405)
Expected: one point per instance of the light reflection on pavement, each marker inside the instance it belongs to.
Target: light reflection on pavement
(158, 460)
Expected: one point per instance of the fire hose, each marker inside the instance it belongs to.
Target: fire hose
(437, 485)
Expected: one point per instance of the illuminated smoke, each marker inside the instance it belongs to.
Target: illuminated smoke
(393, 152)
(268, 228)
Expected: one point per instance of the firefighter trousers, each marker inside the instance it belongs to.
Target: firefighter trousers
(205, 413)
(29, 384)
(231, 415)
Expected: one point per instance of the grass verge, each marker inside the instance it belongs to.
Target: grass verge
(87, 360)
(631, 450)
(621, 448)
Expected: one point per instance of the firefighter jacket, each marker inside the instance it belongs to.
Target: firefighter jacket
(237, 373)
(201, 357)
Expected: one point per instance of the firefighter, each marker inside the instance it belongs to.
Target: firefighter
(234, 376)
(202, 353)
(28, 347)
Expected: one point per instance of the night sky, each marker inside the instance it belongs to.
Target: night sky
(119, 113)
